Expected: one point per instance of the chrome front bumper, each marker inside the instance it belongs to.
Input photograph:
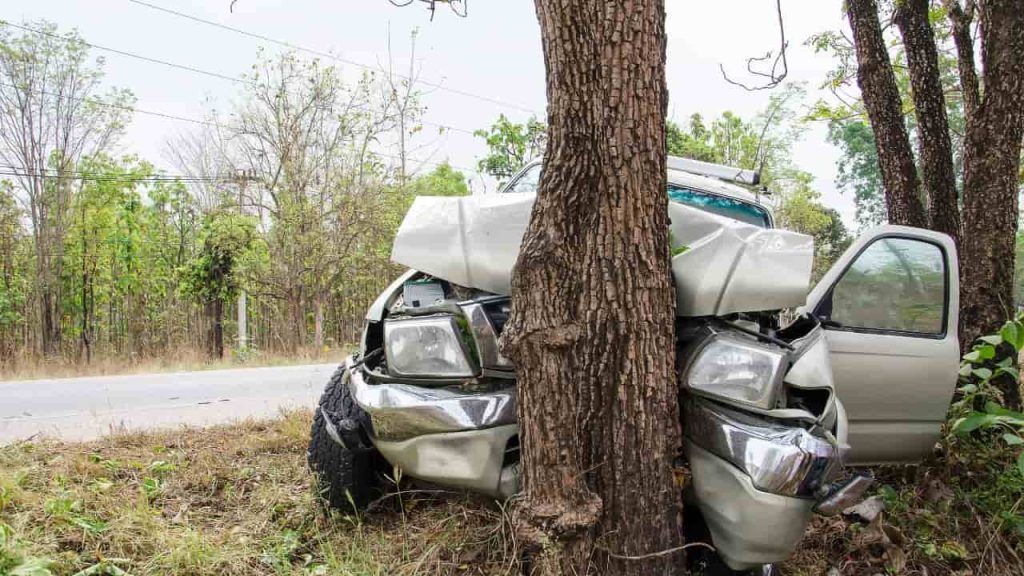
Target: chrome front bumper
(779, 459)
(443, 435)
(403, 411)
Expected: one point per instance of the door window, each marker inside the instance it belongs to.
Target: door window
(895, 284)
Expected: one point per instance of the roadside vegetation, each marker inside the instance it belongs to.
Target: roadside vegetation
(186, 360)
(223, 501)
(239, 500)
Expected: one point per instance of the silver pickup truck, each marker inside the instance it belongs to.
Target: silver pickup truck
(781, 389)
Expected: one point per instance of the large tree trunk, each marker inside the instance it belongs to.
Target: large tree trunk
(882, 101)
(930, 109)
(991, 168)
(593, 307)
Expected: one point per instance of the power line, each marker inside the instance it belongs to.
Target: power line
(289, 45)
(184, 67)
(128, 54)
(99, 102)
(72, 175)
(124, 107)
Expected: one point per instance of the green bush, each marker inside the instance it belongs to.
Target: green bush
(979, 407)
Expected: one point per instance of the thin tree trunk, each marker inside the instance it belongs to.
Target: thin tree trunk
(930, 109)
(593, 307)
(991, 170)
(882, 101)
(960, 20)
(318, 323)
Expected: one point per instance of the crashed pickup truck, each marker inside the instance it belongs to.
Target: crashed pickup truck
(782, 389)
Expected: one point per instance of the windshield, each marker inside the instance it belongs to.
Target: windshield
(721, 205)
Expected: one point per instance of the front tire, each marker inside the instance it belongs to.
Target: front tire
(348, 480)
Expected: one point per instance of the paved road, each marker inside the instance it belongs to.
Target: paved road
(86, 408)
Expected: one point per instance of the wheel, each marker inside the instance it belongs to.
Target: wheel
(348, 480)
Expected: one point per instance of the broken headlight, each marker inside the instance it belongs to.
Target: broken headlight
(738, 369)
(430, 346)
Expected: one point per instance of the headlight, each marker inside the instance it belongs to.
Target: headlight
(737, 369)
(429, 346)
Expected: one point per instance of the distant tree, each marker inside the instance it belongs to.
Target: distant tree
(308, 138)
(857, 167)
(12, 272)
(763, 142)
(211, 277)
(511, 146)
(799, 208)
(50, 117)
(441, 181)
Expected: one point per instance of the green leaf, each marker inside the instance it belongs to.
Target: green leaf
(1020, 463)
(965, 369)
(1013, 439)
(1013, 334)
(983, 373)
(995, 409)
(969, 388)
(993, 339)
(1011, 371)
(986, 352)
(972, 422)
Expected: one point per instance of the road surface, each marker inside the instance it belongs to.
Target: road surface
(86, 408)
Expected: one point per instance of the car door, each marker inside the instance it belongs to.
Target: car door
(889, 307)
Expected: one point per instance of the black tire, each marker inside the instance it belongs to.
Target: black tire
(347, 480)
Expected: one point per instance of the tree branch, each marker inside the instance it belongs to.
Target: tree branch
(779, 69)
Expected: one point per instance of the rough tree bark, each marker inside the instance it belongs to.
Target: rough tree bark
(992, 147)
(960, 19)
(885, 111)
(591, 331)
(936, 149)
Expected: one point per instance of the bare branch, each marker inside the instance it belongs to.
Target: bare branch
(779, 66)
(459, 7)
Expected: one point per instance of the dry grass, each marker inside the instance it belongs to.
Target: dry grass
(225, 501)
(184, 360)
(238, 500)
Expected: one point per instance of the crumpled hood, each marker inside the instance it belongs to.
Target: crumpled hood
(729, 266)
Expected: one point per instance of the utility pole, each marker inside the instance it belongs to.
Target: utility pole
(242, 177)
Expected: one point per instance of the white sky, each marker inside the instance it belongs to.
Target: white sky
(495, 53)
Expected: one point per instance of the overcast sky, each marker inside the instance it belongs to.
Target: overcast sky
(495, 54)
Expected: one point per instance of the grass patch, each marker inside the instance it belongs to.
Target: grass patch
(960, 514)
(230, 500)
(184, 360)
(238, 500)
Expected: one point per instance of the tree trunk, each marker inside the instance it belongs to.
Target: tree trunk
(885, 110)
(215, 315)
(991, 170)
(591, 330)
(318, 324)
(930, 109)
(960, 20)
